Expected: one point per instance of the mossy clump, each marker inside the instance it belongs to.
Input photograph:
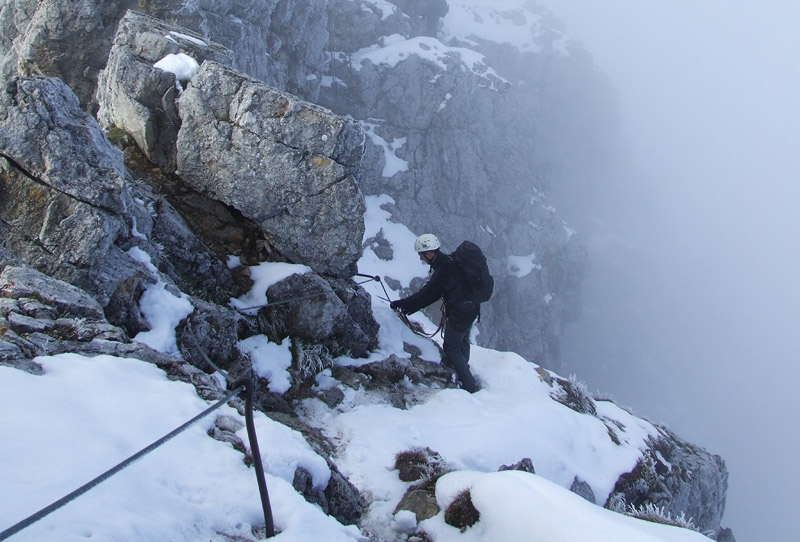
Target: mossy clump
(462, 513)
(419, 464)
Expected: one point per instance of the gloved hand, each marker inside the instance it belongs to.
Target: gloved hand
(394, 306)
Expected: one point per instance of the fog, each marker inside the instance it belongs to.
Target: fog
(693, 303)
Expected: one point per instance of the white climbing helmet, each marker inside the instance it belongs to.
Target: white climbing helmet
(426, 241)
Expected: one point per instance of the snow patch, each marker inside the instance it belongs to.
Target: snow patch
(393, 164)
(522, 266)
(270, 361)
(186, 37)
(395, 49)
(181, 65)
(263, 276)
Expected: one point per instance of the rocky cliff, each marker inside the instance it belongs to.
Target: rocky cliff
(142, 151)
(471, 137)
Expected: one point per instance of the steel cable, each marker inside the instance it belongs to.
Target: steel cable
(30, 520)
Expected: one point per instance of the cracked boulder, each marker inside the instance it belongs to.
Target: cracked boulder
(285, 164)
(64, 200)
(137, 97)
(307, 307)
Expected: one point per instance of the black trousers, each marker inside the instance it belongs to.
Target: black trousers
(456, 348)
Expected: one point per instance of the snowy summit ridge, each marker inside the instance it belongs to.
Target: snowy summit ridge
(189, 193)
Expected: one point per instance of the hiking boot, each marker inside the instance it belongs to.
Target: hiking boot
(473, 389)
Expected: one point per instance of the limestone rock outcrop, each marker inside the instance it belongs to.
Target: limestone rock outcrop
(136, 97)
(264, 153)
(72, 209)
(59, 38)
(679, 478)
(285, 164)
(66, 208)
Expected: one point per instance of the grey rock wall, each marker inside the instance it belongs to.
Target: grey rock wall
(73, 209)
(485, 150)
(63, 188)
(277, 160)
(60, 38)
(485, 143)
(278, 42)
(261, 156)
(283, 163)
(679, 478)
(141, 100)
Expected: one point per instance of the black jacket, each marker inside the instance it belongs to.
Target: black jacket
(449, 283)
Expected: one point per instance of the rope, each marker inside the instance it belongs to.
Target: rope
(416, 328)
(30, 520)
(377, 279)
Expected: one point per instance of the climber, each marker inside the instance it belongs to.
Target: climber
(449, 283)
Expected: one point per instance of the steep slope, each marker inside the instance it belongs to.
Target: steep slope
(212, 224)
(471, 129)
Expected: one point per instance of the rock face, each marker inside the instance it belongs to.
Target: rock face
(59, 38)
(276, 41)
(264, 152)
(679, 478)
(285, 164)
(137, 98)
(281, 162)
(64, 189)
(478, 151)
(72, 209)
(272, 40)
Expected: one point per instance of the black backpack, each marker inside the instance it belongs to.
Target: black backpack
(470, 258)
